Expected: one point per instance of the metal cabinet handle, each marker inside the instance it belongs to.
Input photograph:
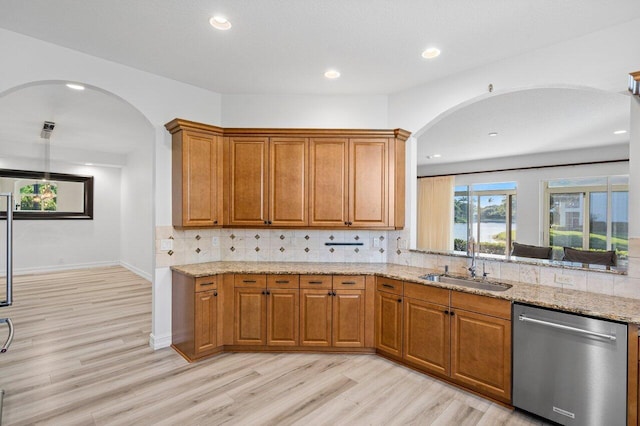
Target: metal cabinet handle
(446, 312)
(315, 282)
(399, 300)
(215, 294)
(204, 284)
(329, 293)
(524, 318)
(248, 281)
(387, 286)
(348, 282)
(282, 282)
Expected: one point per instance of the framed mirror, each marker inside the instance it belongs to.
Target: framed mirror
(45, 195)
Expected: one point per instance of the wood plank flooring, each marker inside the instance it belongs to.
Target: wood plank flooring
(81, 357)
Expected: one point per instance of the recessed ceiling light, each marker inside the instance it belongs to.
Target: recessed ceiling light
(619, 132)
(432, 156)
(430, 53)
(220, 23)
(493, 134)
(332, 74)
(88, 164)
(75, 86)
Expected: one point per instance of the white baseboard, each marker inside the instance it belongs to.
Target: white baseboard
(159, 342)
(137, 271)
(54, 268)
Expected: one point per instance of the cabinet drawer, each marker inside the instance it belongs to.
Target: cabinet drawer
(206, 283)
(283, 281)
(426, 293)
(481, 304)
(352, 282)
(250, 280)
(389, 286)
(320, 282)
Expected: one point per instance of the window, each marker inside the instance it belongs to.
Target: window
(39, 196)
(588, 214)
(486, 212)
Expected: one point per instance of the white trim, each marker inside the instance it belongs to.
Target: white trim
(137, 271)
(159, 342)
(54, 268)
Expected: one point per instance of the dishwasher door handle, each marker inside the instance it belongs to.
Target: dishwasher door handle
(524, 318)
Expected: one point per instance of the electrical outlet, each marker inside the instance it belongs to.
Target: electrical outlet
(166, 245)
(402, 244)
(215, 241)
(564, 279)
(376, 242)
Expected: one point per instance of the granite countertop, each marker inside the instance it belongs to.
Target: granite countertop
(593, 304)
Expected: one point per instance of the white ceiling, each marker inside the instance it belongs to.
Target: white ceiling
(284, 46)
(87, 120)
(527, 122)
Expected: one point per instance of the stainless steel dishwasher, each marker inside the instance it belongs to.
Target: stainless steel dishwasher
(569, 368)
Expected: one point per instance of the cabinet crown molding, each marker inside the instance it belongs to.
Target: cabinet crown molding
(178, 124)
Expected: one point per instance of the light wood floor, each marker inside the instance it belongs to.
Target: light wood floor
(81, 356)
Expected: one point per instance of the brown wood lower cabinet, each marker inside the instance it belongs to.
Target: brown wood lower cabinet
(194, 317)
(332, 311)
(481, 353)
(426, 336)
(389, 317)
(266, 310)
(460, 337)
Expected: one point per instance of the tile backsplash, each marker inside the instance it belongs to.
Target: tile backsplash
(269, 245)
(590, 281)
(278, 245)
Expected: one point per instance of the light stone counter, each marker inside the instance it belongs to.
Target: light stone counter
(593, 304)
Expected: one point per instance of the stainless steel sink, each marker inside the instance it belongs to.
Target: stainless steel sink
(481, 285)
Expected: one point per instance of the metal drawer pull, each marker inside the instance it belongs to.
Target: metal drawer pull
(282, 282)
(203, 284)
(524, 318)
(248, 281)
(387, 286)
(349, 282)
(315, 282)
(4, 347)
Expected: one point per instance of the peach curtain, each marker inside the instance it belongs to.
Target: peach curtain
(435, 213)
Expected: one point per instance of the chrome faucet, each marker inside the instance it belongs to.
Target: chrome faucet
(472, 246)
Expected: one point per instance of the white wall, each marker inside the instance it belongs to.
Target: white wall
(66, 244)
(136, 191)
(355, 112)
(600, 60)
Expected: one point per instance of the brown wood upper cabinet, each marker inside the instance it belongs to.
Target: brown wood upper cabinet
(267, 181)
(196, 170)
(357, 182)
(327, 178)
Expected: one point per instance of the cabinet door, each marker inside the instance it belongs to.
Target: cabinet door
(427, 336)
(328, 182)
(288, 199)
(315, 317)
(195, 183)
(206, 311)
(283, 317)
(368, 182)
(250, 316)
(389, 323)
(348, 318)
(481, 353)
(248, 177)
